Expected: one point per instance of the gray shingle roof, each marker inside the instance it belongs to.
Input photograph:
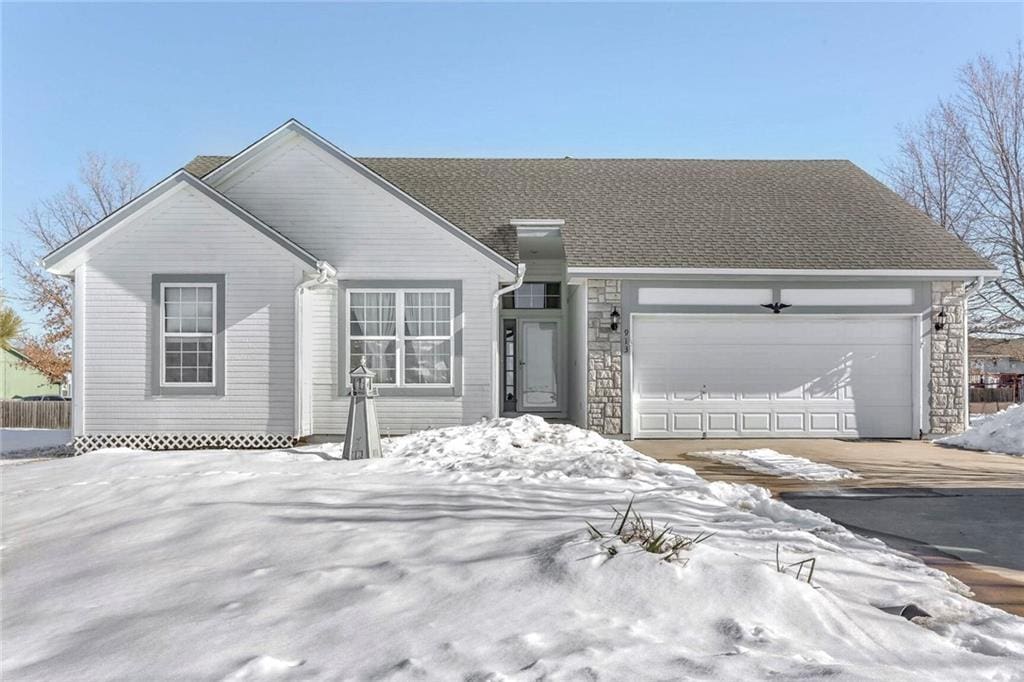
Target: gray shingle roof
(682, 213)
(201, 165)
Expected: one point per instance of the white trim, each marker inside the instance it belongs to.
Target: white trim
(875, 296)
(399, 337)
(537, 222)
(966, 359)
(640, 273)
(917, 371)
(707, 296)
(197, 335)
(78, 353)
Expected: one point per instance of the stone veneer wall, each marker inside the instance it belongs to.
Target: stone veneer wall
(604, 357)
(947, 380)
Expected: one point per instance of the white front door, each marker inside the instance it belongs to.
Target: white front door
(538, 364)
(768, 375)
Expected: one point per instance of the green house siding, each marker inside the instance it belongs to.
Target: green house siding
(18, 379)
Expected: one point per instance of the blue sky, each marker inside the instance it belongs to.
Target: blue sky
(157, 84)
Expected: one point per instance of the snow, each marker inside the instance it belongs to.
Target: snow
(1000, 432)
(19, 445)
(766, 461)
(462, 554)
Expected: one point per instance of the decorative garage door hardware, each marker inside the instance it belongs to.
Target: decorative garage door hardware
(776, 307)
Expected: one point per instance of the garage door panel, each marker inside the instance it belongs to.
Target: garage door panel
(654, 421)
(765, 376)
(756, 421)
(789, 421)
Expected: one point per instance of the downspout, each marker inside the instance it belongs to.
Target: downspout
(495, 365)
(977, 284)
(326, 274)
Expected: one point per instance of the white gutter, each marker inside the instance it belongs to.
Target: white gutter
(976, 285)
(326, 275)
(495, 364)
(620, 273)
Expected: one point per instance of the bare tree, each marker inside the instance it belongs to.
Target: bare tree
(963, 165)
(103, 186)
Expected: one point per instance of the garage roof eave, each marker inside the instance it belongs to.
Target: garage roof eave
(587, 272)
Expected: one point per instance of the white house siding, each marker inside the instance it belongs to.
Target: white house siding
(576, 302)
(187, 233)
(366, 233)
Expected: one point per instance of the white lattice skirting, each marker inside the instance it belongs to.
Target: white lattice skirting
(182, 441)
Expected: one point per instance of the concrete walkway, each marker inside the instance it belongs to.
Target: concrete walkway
(881, 463)
(904, 498)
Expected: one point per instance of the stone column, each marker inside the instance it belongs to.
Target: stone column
(604, 357)
(947, 380)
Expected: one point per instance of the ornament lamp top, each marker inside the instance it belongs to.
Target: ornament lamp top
(362, 379)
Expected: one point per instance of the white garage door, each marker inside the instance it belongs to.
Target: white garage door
(782, 375)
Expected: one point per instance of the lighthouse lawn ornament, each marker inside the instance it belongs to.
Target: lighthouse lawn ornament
(362, 437)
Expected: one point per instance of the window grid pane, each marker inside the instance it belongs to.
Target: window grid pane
(380, 322)
(188, 328)
(188, 359)
(534, 296)
(427, 362)
(427, 314)
(381, 358)
(372, 314)
(188, 310)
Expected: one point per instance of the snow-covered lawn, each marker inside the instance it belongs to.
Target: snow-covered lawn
(1000, 432)
(21, 444)
(766, 461)
(463, 554)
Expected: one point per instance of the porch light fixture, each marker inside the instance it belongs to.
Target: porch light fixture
(776, 307)
(940, 320)
(615, 319)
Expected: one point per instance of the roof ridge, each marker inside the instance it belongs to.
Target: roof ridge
(603, 158)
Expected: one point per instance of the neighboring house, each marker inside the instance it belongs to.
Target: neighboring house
(227, 304)
(997, 363)
(18, 378)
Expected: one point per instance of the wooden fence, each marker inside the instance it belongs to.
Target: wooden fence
(1001, 394)
(35, 414)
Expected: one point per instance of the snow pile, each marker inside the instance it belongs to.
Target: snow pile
(1000, 432)
(464, 554)
(766, 461)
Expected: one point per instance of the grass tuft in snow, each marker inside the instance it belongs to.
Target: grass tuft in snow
(798, 565)
(633, 529)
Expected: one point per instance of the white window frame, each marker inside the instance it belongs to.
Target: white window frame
(162, 321)
(400, 338)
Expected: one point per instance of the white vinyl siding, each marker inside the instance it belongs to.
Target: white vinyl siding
(259, 323)
(366, 233)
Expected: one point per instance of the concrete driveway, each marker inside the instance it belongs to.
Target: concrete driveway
(959, 511)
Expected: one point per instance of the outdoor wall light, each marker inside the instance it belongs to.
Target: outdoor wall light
(776, 307)
(615, 319)
(940, 320)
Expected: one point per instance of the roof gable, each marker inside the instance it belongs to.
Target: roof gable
(63, 259)
(220, 169)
